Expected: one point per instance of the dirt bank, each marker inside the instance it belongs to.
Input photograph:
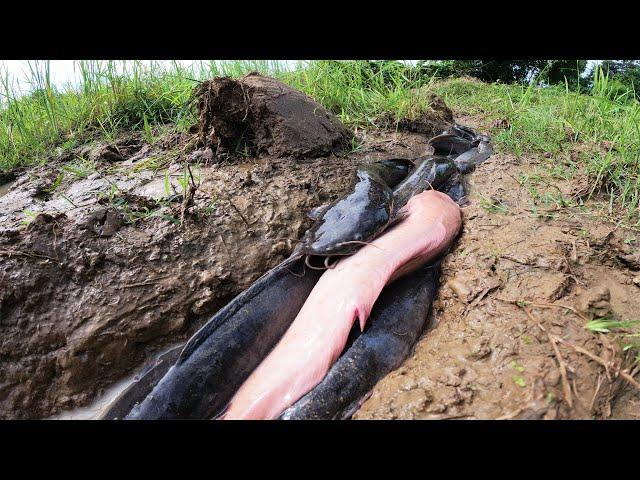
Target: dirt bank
(484, 356)
(119, 248)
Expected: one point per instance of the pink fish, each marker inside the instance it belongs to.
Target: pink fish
(318, 335)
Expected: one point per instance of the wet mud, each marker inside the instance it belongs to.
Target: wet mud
(120, 248)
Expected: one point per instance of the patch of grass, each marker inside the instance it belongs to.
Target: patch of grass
(80, 167)
(518, 380)
(516, 366)
(608, 325)
(361, 95)
(627, 330)
(112, 96)
(493, 206)
(551, 119)
(29, 216)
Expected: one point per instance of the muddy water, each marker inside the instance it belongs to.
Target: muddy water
(4, 188)
(96, 409)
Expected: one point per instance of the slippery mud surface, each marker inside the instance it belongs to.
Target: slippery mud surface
(104, 263)
(483, 356)
(125, 260)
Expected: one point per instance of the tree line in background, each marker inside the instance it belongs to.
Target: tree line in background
(623, 75)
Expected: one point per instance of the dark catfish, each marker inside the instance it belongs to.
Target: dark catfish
(222, 354)
(142, 384)
(449, 143)
(462, 131)
(430, 172)
(397, 320)
(467, 161)
(454, 188)
(344, 226)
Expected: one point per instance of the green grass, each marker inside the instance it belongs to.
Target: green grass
(129, 95)
(551, 119)
(111, 96)
(627, 330)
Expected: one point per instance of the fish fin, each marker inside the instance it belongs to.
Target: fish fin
(318, 212)
(362, 317)
(353, 407)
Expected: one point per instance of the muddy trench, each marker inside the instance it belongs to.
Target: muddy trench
(107, 260)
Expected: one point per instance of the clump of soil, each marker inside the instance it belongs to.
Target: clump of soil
(264, 116)
(431, 122)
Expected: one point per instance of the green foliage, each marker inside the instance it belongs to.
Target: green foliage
(513, 71)
(363, 93)
(539, 118)
(623, 77)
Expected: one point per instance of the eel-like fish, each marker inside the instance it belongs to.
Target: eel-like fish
(142, 385)
(467, 161)
(222, 354)
(396, 322)
(448, 143)
(430, 172)
(462, 131)
(343, 295)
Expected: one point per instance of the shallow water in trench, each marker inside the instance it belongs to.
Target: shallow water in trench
(4, 188)
(99, 406)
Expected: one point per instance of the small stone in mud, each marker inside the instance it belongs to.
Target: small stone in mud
(482, 350)
(636, 281)
(460, 288)
(595, 301)
(552, 378)
(204, 155)
(105, 152)
(104, 222)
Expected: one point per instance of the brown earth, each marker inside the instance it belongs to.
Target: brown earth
(484, 356)
(128, 260)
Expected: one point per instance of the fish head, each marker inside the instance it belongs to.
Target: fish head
(352, 221)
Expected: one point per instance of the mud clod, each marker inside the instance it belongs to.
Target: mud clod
(262, 116)
(595, 301)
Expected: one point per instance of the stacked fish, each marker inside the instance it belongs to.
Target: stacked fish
(311, 337)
